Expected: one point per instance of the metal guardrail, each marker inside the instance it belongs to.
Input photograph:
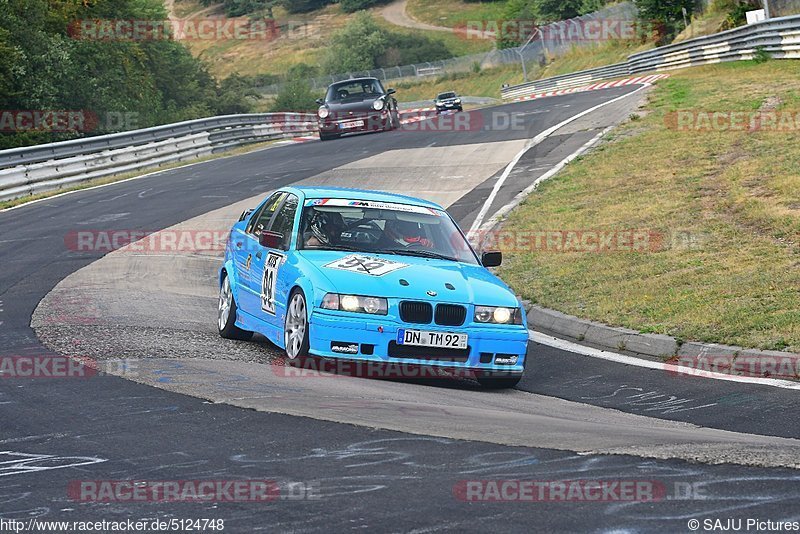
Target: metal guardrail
(42, 168)
(566, 81)
(779, 38)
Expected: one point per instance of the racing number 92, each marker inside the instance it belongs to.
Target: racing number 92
(366, 265)
(269, 281)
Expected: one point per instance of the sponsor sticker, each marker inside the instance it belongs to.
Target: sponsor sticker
(366, 265)
(344, 348)
(343, 202)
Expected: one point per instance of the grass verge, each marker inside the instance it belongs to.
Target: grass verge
(451, 13)
(488, 82)
(727, 203)
(484, 83)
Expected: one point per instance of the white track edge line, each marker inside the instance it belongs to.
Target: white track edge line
(673, 369)
(530, 144)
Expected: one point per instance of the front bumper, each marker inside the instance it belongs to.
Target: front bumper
(371, 122)
(335, 336)
(447, 106)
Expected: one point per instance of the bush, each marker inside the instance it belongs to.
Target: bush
(363, 45)
(295, 95)
(235, 95)
(357, 46)
(666, 14)
(304, 6)
(351, 6)
(761, 55)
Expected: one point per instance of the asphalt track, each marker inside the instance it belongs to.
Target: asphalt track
(389, 481)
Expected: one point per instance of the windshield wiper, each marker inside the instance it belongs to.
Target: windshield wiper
(420, 253)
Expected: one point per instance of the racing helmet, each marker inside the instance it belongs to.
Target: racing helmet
(406, 231)
(326, 226)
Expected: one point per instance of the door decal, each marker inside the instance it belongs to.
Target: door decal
(269, 282)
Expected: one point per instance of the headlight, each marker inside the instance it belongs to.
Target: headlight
(355, 304)
(458, 100)
(323, 112)
(377, 105)
(491, 314)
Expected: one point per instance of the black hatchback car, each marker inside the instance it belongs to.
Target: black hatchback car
(357, 105)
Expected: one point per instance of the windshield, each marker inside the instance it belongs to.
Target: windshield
(443, 96)
(377, 227)
(354, 90)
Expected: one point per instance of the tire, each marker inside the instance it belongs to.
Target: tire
(498, 382)
(295, 326)
(226, 314)
(460, 110)
(327, 137)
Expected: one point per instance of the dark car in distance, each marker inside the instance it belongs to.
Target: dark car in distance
(447, 101)
(356, 105)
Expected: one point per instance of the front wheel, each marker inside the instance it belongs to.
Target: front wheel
(327, 137)
(295, 326)
(498, 382)
(226, 316)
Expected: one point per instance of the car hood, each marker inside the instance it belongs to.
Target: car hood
(473, 284)
(354, 105)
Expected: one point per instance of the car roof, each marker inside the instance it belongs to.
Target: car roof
(359, 194)
(355, 80)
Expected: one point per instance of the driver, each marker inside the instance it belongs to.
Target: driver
(406, 233)
(324, 229)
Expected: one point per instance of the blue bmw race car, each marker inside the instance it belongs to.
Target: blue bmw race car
(369, 276)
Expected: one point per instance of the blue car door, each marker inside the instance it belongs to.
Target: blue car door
(249, 252)
(272, 264)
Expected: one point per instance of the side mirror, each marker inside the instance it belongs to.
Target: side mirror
(492, 258)
(319, 101)
(390, 91)
(269, 239)
(245, 214)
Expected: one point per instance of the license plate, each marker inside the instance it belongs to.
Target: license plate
(352, 124)
(441, 340)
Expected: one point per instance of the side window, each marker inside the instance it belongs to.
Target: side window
(260, 220)
(284, 220)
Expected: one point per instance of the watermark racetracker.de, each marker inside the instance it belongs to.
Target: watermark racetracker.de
(55, 366)
(193, 29)
(172, 491)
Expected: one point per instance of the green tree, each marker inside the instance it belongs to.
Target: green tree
(357, 46)
(351, 6)
(295, 95)
(46, 65)
(666, 15)
(234, 95)
(304, 6)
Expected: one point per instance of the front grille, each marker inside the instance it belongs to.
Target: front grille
(450, 315)
(427, 353)
(416, 312)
